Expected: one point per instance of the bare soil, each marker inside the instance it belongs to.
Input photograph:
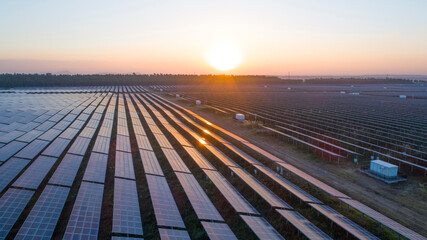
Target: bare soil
(404, 202)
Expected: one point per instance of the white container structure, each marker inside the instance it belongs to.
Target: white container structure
(383, 169)
(240, 117)
(198, 102)
(342, 92)
(402, 96)
(161, 90)
(177, 96)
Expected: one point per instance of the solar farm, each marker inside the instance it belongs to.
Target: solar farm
(128, 162)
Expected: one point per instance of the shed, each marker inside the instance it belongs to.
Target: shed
(383, 169)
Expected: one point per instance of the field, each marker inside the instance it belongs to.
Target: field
(130, 162)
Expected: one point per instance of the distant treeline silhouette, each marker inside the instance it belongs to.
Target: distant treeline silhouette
(48, 80)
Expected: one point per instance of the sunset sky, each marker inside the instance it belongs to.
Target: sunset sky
(266, 37)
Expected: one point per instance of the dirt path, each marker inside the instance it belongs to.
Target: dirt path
(404, 202)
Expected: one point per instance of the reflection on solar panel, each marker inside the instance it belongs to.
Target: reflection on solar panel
(124, 165)
(79, 146)
(102, 145)
(237, 201)
(218, 231)
(10, 149)
(303, 225)
(10, 169)
(163, 142)
(43, 217)
(32, 149)
(262, 190)
(261, 227)
(173, 234)
(126, 214)
(34, 175)
(165, 209)
(294, 189)
(344, 222)
(56, 147)
(143, 142)
(198, 198)
(11, 205)
(123, 143)
(70, 133)
(198, 157)
(67, 170)
(175, 161)
(150, 163)
(50, 134)
(30, 136)
(84, 219)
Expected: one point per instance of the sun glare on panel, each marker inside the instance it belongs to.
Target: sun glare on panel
(224, 57)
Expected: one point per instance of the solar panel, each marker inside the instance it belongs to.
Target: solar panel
(30, 136)
(56, 147)
(11, 136)
(261, 227)
(123, 143)
(10, 169)
(45, 125)
(10, 149)
(67, 170)
(175, 160)
(221, 156)
(28, 127)
(165, 209)
(44, 216)
(32, 149)
(126, 213)
(199, 158)
(79, 146)
(93, 123)
(303, 225)
(198, 198)
(138, 129)
(262, 190)
(173, 234)
(102, 145)
(143, 142)
(70, 133)
(344, 222)
(123, 130)
(242, 154)
(150, 163)
(218, 231)
(84, 219)
(77, 124)
(237, 201)
(294, 189)
(87, 132)
(50, 134)
(163, 142)
(35, 173)
(105, 131)
(12, 203)
(125, 238)
(124, 165)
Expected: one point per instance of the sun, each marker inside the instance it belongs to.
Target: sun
(224, 57)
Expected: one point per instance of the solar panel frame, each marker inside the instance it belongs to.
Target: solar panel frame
(173, 234)
(165, 208)
(143, 142)
(42, 220)
(11, 136)
(30, 136)
(150, 163)
(123, 143)
(102, 145)
(12, 203)
(10, 149)
(199, 158)
(50, 134)
(35, 173)
(67, 170)
(32, 150)
(87, 132)
(126, 212)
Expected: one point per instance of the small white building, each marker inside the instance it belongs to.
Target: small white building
(240, 116)
(383, 169)
(177, 96)
(402, 96)
(198, 102)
